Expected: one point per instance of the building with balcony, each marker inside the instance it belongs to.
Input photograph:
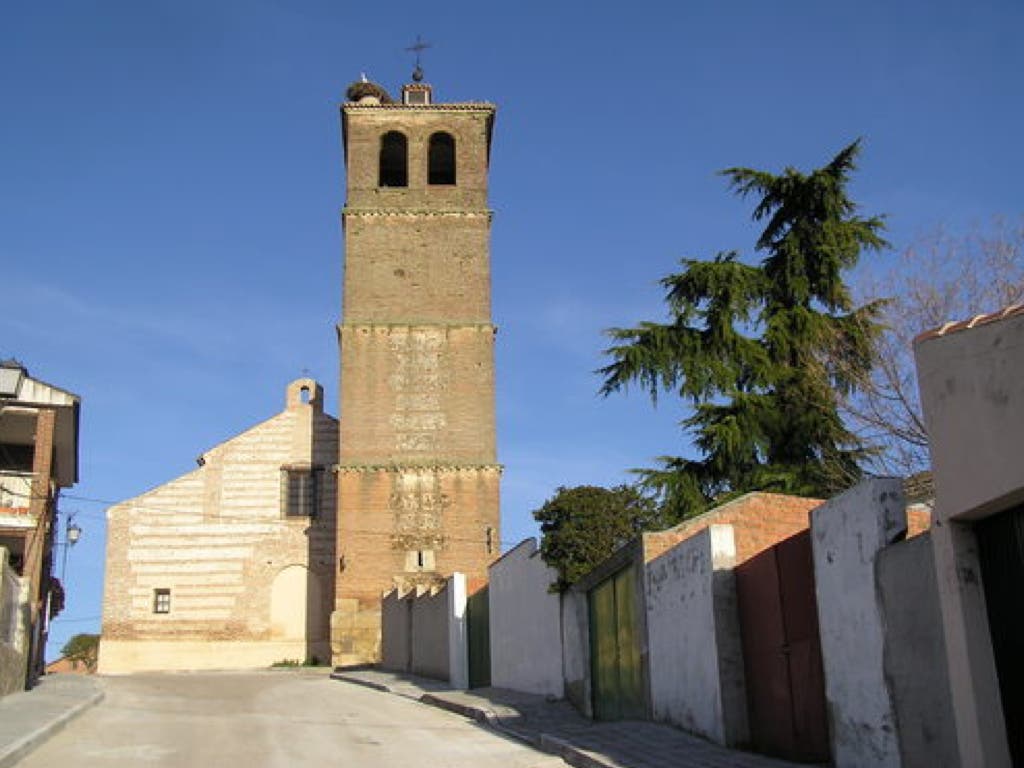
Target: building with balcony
(38, 457)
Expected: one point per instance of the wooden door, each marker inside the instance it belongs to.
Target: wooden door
(785, 680)
(615, 648)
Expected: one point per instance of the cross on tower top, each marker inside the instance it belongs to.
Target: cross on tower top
(418, 48)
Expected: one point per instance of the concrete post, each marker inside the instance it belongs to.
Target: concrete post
(847, 533)
(973, 683)
(695, 653)
(458, 647)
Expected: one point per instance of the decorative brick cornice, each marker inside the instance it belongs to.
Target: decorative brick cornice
(349, 211)
(434, 466)
(483, 107)
(409, 325)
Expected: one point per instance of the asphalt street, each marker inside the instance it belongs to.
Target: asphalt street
(272, 718)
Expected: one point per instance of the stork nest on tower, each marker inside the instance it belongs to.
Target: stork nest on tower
(363, 88)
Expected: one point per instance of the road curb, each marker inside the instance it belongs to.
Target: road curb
(572, 755)
(11, 754)
(356, 681)
(553, 745)
(480, 714)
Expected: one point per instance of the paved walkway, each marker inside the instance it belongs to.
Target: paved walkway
(29, 718)
(556, 727)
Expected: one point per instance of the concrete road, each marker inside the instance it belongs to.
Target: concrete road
(269, 719)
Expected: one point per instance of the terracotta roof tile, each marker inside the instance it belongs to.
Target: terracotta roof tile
(951, 327)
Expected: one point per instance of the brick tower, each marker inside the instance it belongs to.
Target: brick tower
(417, 478)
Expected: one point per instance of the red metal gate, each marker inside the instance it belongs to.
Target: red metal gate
(782, 652)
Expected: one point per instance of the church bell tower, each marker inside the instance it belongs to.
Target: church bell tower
(418, 479)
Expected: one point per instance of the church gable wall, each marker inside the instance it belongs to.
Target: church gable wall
(200, 559)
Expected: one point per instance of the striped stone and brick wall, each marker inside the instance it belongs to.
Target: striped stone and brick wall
(248, 584)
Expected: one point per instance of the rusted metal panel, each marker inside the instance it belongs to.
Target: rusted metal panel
(763, 637)
(806, 670)
(782, 652)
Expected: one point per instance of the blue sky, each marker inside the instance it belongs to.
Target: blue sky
(171, 179)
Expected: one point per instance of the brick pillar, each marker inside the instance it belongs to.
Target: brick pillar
(38, 542)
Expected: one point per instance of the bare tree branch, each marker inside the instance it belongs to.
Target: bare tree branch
(942, 277)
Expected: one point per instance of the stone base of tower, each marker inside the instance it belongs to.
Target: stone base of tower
(406, 527)
(355, 632)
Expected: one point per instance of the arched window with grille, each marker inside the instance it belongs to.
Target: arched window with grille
(394, 160)
(441, 162)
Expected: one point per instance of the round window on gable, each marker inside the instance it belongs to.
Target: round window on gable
(441, 159)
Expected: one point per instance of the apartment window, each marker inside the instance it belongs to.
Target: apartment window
(161, 601)
(300, 491)
(17, 458)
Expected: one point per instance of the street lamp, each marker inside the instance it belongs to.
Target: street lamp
(72, 533)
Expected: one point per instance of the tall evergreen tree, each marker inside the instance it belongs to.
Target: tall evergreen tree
(763, 351)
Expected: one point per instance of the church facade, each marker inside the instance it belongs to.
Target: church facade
(232, 564)
(281, 543)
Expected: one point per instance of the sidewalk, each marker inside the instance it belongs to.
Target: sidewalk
(29, 718)
(556, 727)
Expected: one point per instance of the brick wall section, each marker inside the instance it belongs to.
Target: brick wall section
(449, 512)
(759, 521)
(40, 506)
(217, 538)
(919, 519)
(470, 124)
(417, 394)
(425, 267)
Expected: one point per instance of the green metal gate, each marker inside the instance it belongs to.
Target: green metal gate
(478, 638)
(615, 648)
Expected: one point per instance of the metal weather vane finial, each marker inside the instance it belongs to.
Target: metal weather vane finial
(418, 48)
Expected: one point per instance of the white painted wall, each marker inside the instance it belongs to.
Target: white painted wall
(847, 533)
(526, 632)
(972, 394)
(396, 631)
(689, 685)
(428, 628)
(576, 651)
(430, 635)
(458, 642)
